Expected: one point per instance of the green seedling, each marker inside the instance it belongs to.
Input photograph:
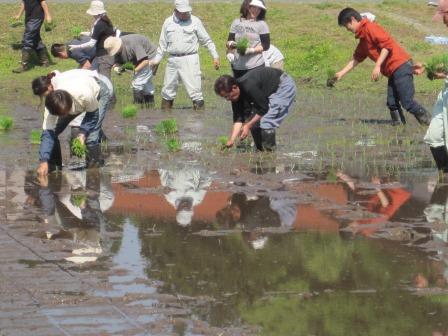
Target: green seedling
(173, 145)
(128, 66)
(242, 45)
(129, 111)
(78, 200)
(35, 136)
(49, 26)
(166, 127)
(78, 148)
(437, 64)
(76, 32)
(6, 123)
(331, 77)
(13, 22)
(222, 140)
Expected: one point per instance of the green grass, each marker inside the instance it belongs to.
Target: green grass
(129, 111)
(35, 136)
(49, 26)
(222, 140)
(166, 127)
(436, 64)
(14, 23)
(78, 149)
(6, 123)
(128, 66)
(173, 145)
(76, 32)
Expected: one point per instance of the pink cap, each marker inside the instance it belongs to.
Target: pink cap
(442, 8)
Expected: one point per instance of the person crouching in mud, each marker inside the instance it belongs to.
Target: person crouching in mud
(261, 100)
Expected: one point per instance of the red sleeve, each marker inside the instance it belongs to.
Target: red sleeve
(360, 53)
(381, 37)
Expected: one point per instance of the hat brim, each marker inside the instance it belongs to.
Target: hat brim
(258, 5)
(93, 12)
(116, 48)
(184, 9)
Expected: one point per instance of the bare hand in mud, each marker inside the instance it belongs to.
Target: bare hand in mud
(244, 132)
(229, 144)
(43, 180)
(43, 169)
(376, 73)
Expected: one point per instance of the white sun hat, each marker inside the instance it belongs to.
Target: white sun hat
(96, 8)
(257, 3)
(182, 6)
(112, 45)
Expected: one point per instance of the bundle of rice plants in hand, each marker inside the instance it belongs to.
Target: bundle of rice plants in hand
(241, 45)
(13, 22)
(166, 127)
(129, 111)
(128, 66)
(76, 32)
(222, 140)
(437, 64)
(49, 26)
(35, 136)
(173, 145)
(78, 149)
(331, 77)
(6, 123)
(78, 200)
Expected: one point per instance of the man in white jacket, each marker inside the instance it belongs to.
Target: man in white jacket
(180, 37)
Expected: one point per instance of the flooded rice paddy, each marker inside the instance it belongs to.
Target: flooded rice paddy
(342, 232)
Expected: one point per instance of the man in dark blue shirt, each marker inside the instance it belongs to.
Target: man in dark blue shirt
(84, 57)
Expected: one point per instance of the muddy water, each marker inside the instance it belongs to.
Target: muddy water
(342, 232)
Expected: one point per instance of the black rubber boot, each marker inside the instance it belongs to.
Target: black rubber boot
(397, 117)
(139, 98)
(198, 105)
(25, 64)
(44, 60)
(268, 139)
(423, 117)
(166, 105)
(440, 156)
(256, 135)
(148, 99)
(94, 158)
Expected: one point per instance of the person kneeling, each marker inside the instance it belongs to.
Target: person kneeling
(267, 92)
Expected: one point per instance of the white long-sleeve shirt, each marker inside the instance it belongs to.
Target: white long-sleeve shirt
(82, 87)
(183, 37)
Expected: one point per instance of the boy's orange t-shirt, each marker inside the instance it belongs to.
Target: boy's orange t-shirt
(373, 38)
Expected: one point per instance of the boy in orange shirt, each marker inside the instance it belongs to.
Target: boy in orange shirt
(390, 59)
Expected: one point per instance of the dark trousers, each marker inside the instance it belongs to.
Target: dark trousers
(400, 90)
(31, 36)
(240, 73)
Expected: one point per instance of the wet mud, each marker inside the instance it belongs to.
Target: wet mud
(341, 232)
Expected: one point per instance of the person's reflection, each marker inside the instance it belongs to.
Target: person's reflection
(74, 201)
(253, 213)
(187, 188)
(383, 202)
(436, 214)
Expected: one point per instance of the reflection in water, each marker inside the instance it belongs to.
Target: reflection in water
(75, 202)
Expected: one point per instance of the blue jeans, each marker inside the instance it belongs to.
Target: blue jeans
(31, 36)
(400, 90)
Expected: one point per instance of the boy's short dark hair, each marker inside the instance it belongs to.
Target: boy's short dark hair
(57, 48)
(59, 102)
(225, 83)
(345, 16)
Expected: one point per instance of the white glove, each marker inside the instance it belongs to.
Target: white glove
(230, 57)
(231, 44)
(249, 51)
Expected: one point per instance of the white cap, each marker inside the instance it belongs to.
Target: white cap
(184, 217)
(112, 45)
(369, 16)
(96, 8)
(257, 3)
(182, 6)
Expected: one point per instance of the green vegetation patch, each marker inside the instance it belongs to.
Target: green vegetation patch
(166, 127)
(78, 148)
(78, 200)
(128, 66)
(13, 22)
(49, 26)
(173, 145)
(76, 32)
(129, 111)
(242, 44)
(331, 77)
(35, 136)
(6, 123)
(436, 64)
